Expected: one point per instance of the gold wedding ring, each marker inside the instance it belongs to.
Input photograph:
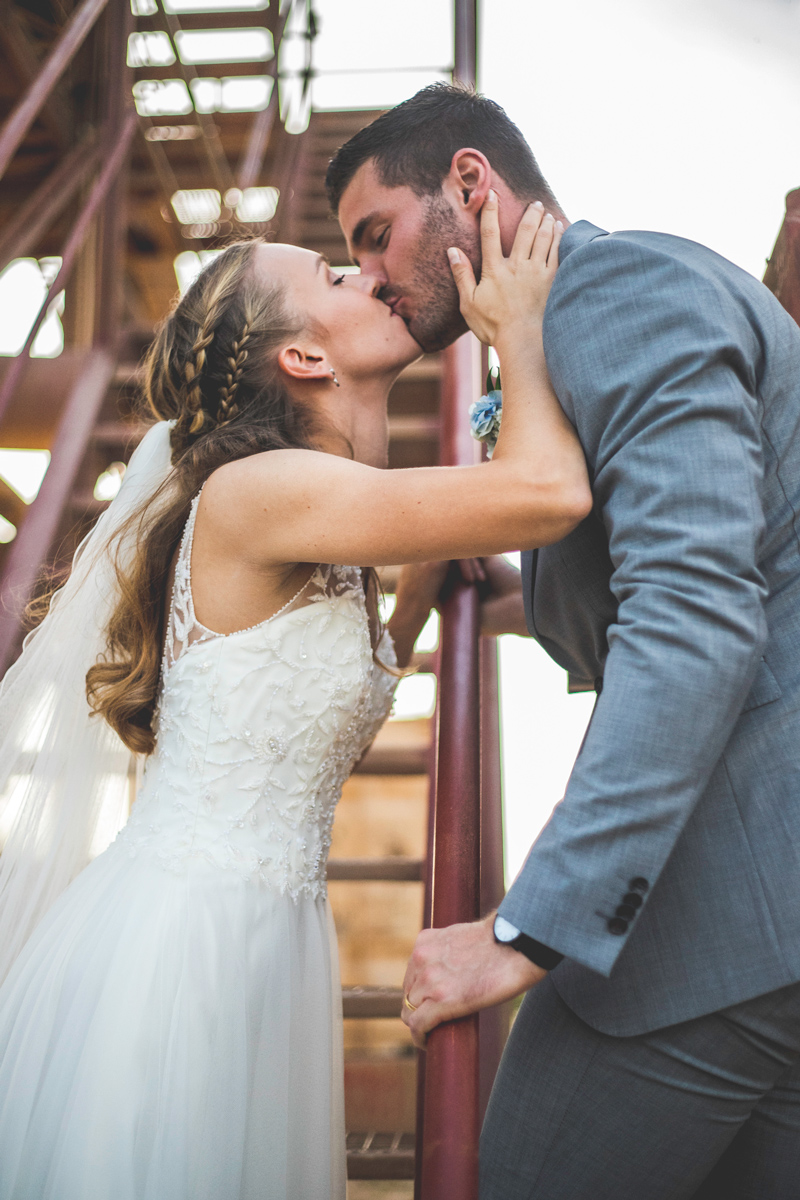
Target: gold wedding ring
(408, 1003)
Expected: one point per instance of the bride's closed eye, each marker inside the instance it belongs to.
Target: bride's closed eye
(338, 279)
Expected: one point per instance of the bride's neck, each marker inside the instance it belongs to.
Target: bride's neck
(353, 422)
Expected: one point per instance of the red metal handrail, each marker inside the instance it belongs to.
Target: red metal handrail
(29, 107)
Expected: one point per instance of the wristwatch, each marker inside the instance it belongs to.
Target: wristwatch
(539, 954)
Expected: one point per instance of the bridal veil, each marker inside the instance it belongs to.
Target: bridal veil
(64, 773)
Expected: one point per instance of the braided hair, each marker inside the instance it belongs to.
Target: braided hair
(213, 363)
(228, 408)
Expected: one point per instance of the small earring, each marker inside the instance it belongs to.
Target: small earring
(335, 380)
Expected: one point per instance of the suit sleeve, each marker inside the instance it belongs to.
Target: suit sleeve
(658, 363)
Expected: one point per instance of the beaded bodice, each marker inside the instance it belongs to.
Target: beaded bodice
(258, 730)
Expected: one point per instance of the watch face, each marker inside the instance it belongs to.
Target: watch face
(504, 931)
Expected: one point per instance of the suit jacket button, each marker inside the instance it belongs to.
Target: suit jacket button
(598, 684)
(632, 898)
(617, 925)
(626, 910)
(639, 885)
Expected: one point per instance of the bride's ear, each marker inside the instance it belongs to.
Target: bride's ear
(304, 363)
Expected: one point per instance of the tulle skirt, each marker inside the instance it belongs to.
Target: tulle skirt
(173, 1037)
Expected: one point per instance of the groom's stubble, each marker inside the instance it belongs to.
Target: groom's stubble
(436, 321)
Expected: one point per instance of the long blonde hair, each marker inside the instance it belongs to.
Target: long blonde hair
(213, 370)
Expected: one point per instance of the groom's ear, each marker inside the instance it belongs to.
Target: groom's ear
(468, 180)
(303, 363)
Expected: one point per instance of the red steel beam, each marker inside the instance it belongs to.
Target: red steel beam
(71, 250)
(31, 546)
(783, 269)
(113, 213)
(35, 216)
(53, 68)
(261, 128)
(19, 56)
(449, 1169)
(209, 145)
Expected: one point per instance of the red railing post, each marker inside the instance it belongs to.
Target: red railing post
(451, 1110)
(113, 215)
(427, 915)
(493, 1023)
(782, 275)
(451, 1117)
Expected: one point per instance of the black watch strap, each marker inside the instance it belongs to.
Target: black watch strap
(510, 935)
(539, 954)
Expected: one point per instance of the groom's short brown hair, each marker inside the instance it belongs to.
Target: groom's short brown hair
(414, 143)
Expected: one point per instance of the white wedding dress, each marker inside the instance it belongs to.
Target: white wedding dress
(172, 1029)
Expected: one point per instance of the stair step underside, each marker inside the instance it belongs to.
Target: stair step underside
(380, 1155)
(371, 1003)
(395, 760)
(394, 869)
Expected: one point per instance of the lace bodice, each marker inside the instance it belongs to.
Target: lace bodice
(258, 730)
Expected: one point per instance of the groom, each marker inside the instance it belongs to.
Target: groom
(656, 923)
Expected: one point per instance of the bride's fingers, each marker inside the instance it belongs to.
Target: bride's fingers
(526, 233)
(543, 240)
(552, 257)
(463, 275)
(491, 250)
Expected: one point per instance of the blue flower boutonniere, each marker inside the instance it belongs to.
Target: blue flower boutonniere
(484, 419)
(485, 414)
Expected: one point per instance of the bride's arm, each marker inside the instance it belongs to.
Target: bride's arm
(304, 506)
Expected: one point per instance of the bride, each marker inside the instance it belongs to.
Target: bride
(170, 1019)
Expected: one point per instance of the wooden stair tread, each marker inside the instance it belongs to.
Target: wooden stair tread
(371, 1003)
(395, 869)
(378, 1155)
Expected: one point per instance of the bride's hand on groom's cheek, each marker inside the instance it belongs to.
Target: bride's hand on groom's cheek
(459, 970)
(513, 291)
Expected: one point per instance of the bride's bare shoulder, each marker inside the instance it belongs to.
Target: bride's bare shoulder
(261, 472)
(272, 481)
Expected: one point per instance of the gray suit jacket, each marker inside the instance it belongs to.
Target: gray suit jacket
(669, 875)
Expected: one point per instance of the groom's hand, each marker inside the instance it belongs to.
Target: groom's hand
(459, 970)
(502, 605)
